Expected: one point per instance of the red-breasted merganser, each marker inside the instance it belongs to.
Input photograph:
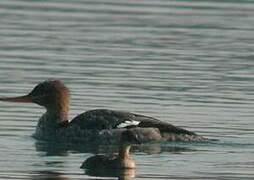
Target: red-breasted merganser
(99, 125)
(120, 161)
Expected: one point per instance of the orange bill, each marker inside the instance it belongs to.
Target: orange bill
(24, 99)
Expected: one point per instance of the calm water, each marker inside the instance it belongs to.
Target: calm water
(190, 63)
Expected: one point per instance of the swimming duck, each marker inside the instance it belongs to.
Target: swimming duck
(120, 161)
(99, 125)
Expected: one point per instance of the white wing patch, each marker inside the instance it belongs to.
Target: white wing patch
(128, 123)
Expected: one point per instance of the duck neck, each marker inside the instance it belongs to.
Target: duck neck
(49, 123)
(59, 106)
(57, 115)
(124, 151)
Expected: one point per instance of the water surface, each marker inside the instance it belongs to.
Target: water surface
(189, 63)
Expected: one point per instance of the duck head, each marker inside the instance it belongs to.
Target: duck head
(51, 94)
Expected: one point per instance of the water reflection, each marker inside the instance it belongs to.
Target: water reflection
(46, 175)
(61, 149)
(51, 148)
(122, 174)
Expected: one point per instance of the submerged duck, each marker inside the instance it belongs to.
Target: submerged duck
(99, 125)
(120, 161)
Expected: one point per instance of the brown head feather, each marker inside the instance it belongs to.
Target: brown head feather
(54, 96)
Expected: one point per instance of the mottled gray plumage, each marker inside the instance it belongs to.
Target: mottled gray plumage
(109, 119)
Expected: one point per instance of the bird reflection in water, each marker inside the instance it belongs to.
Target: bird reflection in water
(121, 174)
(46, 175)
(62, 149)
(121, 165)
